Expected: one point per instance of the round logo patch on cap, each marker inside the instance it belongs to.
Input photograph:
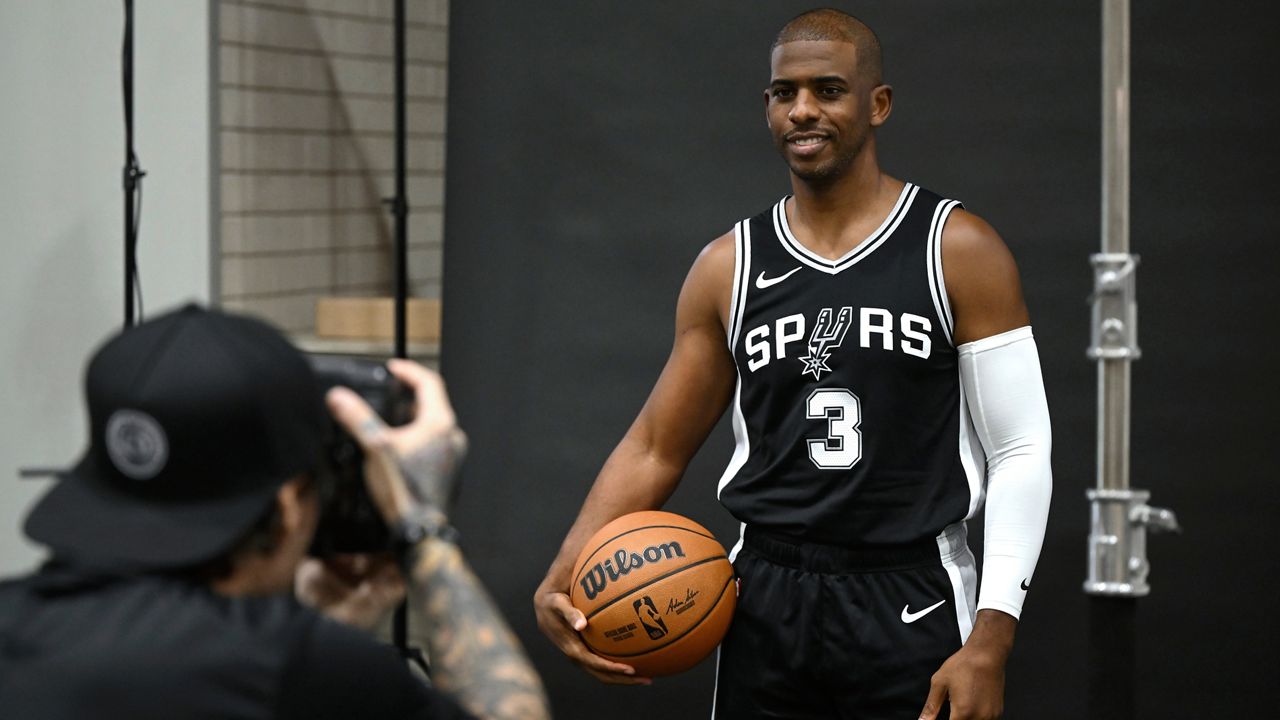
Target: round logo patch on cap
(136, 444)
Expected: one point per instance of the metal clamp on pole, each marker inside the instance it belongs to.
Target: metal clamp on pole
(1120, 515)
(1118, 541)
(1115, 307)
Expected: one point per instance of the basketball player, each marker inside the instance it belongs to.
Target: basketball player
(873, 342)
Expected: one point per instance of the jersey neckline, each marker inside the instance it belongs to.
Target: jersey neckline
(859, 252)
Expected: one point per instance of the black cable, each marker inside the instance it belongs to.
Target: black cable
(133, 175)
(401, 203)
(137, 226)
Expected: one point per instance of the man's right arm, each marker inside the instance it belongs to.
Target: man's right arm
(686, 402)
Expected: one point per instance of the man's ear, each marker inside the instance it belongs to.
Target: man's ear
(881, 104)
(289, 503)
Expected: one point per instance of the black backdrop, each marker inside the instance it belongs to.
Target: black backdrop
(593, 148)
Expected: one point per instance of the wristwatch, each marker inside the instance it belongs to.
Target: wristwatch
(410, 531)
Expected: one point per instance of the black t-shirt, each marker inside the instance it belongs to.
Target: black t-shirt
(76, 645)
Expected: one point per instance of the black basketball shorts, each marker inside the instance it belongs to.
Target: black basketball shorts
(830, 632)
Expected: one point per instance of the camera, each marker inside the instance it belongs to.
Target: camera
(349, 522)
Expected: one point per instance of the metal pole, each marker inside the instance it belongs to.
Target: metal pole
(1111, 613)
(401, 204)
(1117, 558)
(1115, 126)
(1113, 373)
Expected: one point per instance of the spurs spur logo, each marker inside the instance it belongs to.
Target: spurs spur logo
(826, 336)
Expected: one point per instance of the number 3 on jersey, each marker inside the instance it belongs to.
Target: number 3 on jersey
(841, 449)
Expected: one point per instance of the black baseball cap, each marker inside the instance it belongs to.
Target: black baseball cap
(196, 419)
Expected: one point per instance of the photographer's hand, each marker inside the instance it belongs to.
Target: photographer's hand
(359, 590)
(475, 657)
(408, 469)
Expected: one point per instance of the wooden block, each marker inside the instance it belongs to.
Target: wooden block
(373, 318)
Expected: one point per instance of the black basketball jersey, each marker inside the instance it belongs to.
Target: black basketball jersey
(850, 421)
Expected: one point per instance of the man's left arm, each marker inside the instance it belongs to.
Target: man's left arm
(1000, 373)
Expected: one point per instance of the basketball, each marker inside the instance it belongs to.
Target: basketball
(658, 592)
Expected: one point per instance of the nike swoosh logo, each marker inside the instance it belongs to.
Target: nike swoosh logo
(762, 282)
(909, 617)
(1025, 585)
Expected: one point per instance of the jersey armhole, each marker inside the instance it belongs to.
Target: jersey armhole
(741, 272)
(937, 281)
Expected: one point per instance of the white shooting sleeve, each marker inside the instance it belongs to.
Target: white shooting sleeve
(1005, 392)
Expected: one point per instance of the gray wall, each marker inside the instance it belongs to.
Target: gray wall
(306, 139)
(61, 210)
(595, 147)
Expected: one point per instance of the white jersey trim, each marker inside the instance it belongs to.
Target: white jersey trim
(715, 686)
(741, 284)
(737, 547)
(742, 444)
(733, 556)
(741, 272)
(858, 253)
(937, 282)
(957, 560)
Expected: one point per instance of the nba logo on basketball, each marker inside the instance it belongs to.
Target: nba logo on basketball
(649, 617)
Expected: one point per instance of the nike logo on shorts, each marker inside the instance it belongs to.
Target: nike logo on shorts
(762, 282)
(909, 617)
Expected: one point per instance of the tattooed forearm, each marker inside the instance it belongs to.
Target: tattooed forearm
(475, 657)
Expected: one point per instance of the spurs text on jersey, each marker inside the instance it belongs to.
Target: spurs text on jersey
(877, 328)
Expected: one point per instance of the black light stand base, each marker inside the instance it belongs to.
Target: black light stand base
(1112, 658)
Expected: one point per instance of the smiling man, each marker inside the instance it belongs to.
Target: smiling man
(873, 343)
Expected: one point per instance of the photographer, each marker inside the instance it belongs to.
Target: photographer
(176, 540)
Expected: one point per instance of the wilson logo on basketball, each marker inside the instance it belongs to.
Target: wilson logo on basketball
(622, 563)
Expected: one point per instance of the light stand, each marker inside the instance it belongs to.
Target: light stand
(1120, 515)
(400, 210)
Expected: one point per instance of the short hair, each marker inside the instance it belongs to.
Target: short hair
(832, 24)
